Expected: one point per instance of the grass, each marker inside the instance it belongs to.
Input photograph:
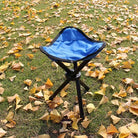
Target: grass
(28, 123)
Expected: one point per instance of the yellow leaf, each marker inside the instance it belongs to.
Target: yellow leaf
(133, 110)
(28, 107)
(12, 78)
(28, 82)
(90, 107)
(1, 90)
(1, 99)
(33, 90)
(81, 136)
(43, 136)
(11, 124)
(47, 94)
(64, 127)
(12, 98)
(101, 75)
(2, 132)
(120, 109)
(45, 116)
(17, 55)
(133, 128)
(4, 66)
(39, 94)
(103, 100)
(55, 116)
(126, 65)
(74, 124)
(63, 93)
(31, 56)
(10, 116)
(100, 92)
(85, 122)
(124, 132)
(128, 81)
(2, 75)
(111, 129)
(38, 103)
(48, 40)
(102, 131)
(115, 119)
(48, 83)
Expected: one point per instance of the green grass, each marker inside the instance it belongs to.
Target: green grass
(28, 123)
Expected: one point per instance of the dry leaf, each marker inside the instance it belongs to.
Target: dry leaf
(55, 116)
(90, 107)
(31, 56)
(38, 103)
(45, 116)
(1, 90)
(128, 81)
(48, 83)
(115, 119)
(102, 131)
(39, 95)
(28, 107)
(2, 132)
(81, 136)
(85, 122)
(10, 116)
(103, 100)
(62, 135)
(11, 124)
(63, 93)
(133, 128)
(44, 136)
(111, 129)
(64, 126)
(28, 82)
(4, 66)
(12, 78)
(1, 99)
(75, 123)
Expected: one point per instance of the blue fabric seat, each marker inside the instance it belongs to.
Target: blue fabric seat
(71, 45)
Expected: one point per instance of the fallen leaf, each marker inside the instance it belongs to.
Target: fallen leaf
(2, 132)
(103, 100)
(4, 66)
(75, 123)
(90, 107)
(1, 90)
(133, 128)
(28, 82)
(55, 116)
(44, 136)
(28, 107)
(85, 122)
(45, 116)
(115, 119)
(81, 136)
(12, 78)
(1, 99)
(48, 83)
(64, 126)
(102, 131)
(111, 129)
(31, 56)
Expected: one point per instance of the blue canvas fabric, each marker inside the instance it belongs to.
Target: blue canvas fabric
(71, 45)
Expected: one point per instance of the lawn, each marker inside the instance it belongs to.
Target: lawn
(28, 77)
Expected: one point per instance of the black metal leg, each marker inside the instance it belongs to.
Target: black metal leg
(59, 89)
(79, 98)
(84, 85)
